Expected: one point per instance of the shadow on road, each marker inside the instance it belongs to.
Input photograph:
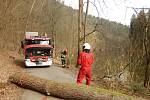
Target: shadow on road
(19, 62)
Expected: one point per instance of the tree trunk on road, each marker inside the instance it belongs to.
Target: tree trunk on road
(57, 89)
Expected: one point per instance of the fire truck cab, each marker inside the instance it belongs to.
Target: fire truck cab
(38, 50)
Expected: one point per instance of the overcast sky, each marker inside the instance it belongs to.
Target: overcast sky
(114, 10)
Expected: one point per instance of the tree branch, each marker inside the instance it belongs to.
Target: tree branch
(82, 38)
(29, 14)
(87, 7)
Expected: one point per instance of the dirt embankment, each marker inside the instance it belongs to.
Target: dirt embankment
(8, 91)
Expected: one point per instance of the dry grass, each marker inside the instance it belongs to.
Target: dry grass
(8, 91)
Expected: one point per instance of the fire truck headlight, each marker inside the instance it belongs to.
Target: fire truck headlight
(33, 60)
(49, 59)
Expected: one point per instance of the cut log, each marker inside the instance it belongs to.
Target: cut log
(57, 89)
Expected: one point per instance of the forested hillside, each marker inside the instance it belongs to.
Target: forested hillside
(52, 17)
(139, 48)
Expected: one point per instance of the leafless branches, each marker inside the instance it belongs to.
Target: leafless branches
(27, 22)
(86, 13)
(84, 25)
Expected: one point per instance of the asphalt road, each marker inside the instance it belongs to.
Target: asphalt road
(50, 73)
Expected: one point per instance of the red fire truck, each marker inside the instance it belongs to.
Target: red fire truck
(38, 50)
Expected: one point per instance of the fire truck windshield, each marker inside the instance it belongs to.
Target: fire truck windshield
(43, 42)
(37, 52)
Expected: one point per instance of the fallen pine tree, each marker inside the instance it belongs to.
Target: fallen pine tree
(57, 89)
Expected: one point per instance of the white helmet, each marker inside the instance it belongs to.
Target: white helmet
(86, 46)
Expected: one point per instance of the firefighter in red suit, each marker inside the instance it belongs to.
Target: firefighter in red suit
(85, 59)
